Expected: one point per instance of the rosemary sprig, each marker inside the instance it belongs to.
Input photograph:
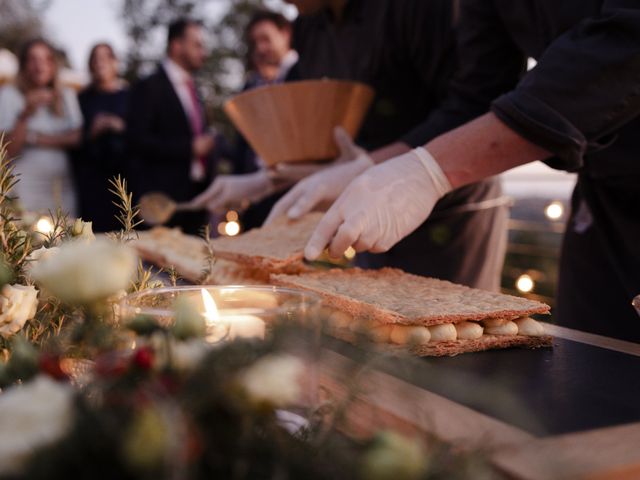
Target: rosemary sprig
(210, 256)
(128, 214)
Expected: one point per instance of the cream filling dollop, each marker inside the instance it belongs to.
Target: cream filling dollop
(468, 330)
(443, 333)
(410, 335)
(340, 320)
(529, 327)
(381, 333)
(509, 328)
(494, 322)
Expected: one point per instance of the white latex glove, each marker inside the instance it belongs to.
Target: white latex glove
(325, 185)
(382, 206)
(228, 191)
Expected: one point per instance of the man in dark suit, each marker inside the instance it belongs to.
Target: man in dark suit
(270, 59)
(167, 136)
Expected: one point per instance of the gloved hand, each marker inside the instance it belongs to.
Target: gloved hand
(325, 185)
(229, 191)
(382, 206)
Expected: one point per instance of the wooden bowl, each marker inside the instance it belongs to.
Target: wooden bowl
(294, 122)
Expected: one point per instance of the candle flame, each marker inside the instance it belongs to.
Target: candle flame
(210, 309)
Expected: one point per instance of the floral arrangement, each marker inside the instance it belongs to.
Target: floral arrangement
(158, 401)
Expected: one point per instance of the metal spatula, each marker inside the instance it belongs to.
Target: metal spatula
(156, 208)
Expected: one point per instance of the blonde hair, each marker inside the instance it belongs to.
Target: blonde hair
(23, 83)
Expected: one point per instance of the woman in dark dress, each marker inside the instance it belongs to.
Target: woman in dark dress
(103, 104)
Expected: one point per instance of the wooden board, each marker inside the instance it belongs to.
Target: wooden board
(581, 421)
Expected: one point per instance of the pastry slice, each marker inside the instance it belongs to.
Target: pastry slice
(278, 246)
(428, 316)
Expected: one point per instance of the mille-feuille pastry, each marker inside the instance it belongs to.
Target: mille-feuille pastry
(187, 254)
(277, 247)
(429, 317)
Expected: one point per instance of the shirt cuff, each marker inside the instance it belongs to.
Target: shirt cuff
(541, 124)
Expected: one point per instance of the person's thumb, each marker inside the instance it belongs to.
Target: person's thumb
(348, 149)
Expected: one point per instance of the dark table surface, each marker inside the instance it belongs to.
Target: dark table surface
(570, 388)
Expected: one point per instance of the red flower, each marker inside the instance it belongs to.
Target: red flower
(111, 364)
(143, 358)
(49, 363)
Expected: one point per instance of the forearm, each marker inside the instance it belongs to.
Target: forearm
(17, 138)
(482, 148)
(63, 140)
(390, 151)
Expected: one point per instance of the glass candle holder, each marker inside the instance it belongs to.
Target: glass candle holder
(229, 311)
(636, 303)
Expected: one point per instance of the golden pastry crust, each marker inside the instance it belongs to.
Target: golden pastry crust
(393, 296)
(275, 247)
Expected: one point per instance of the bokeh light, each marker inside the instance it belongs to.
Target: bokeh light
(554, 210)
(232, 228)
(44, 225)
(525, 283)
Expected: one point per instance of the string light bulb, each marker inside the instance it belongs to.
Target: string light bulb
(554, 210)
(525, 283)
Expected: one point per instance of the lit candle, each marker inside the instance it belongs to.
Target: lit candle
(240, 326)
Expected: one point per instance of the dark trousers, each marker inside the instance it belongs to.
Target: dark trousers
(600, 262)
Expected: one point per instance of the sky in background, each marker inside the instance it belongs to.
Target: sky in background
(76, 25)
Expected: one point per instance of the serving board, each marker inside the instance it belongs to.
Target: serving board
(568, 412)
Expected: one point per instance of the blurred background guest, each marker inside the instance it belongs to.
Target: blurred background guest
(167, 133)
(42, 121)
(102, 156)
(270, 59)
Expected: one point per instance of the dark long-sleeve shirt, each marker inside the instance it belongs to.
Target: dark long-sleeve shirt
(404, 49)
(583, 95)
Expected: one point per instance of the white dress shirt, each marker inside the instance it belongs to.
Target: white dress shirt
(180, 80)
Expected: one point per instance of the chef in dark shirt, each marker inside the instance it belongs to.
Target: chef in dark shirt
(405, 50)
(578, 110)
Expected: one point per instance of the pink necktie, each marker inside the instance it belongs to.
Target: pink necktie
(196, 117)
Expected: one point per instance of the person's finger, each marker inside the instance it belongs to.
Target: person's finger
(306, 202)
(347, 234)
(284, 204)
(323, 233)
(295, 173)
(381, 246)
(214, 190)
(348, 149)
(365, 242)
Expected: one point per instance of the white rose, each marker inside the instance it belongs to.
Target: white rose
(86, 272)
(83, 230)
(274, 379)
(184, 355)
(32, 415)
(18, 303)
(394, 457)
(42, 254)
(187, 355)
(38, 255)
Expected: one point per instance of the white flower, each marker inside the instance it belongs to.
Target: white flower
(394, 457)
(18, 303)
(31, 416)
(86, 272)
(83, 230)
(274, 379)
(186, 355)
(42, 254)
(38, 255)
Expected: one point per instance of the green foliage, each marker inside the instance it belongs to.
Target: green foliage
(19, 21)
(128, 214)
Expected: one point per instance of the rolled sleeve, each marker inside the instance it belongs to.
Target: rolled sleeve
(585, 87)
